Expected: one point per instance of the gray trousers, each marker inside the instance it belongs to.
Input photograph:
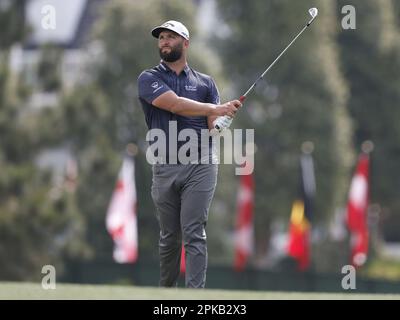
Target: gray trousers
(182, 195)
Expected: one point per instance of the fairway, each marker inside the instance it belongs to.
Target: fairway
(22, 291)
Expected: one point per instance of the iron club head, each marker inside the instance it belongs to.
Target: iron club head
(313, 12)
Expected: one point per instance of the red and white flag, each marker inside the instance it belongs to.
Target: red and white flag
(357, 212)
(244, 233)
(121, 219)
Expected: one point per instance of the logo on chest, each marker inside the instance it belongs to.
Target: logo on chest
(190, 88)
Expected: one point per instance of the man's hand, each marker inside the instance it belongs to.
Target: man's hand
(228, 109)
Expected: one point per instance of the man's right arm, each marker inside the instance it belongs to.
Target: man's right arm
(156, 92)
(169, 101)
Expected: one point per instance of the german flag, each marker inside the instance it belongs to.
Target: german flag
(300, 218)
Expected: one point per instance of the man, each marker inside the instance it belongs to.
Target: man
(172, 92)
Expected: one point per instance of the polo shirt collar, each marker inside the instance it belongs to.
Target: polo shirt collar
(164, 67)
(186, 69)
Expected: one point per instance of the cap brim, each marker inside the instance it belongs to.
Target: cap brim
(157, 30)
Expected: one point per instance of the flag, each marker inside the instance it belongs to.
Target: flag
(244, 232)
(300, 218)
(357, 211)
(121, 219)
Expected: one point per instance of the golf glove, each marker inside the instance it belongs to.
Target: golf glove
(222, 123)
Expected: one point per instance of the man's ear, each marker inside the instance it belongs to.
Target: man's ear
(186, 43)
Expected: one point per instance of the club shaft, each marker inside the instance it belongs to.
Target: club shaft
(243, 97)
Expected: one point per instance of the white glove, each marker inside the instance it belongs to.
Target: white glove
(221, 123)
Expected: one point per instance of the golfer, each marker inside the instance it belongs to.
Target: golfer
(172, 92)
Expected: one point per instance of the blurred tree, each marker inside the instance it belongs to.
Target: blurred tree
(49, 72)
(303, 98)
(371, 60)
(39, 222)
(12, 23)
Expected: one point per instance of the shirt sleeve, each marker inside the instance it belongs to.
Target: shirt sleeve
(213, 93)
(151, 87)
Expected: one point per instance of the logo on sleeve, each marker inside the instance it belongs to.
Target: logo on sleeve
(156, 86)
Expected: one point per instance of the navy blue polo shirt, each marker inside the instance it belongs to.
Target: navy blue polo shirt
(189, 84)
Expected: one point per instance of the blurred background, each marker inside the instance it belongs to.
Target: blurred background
(69, 111)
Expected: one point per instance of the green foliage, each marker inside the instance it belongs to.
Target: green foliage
(383, 268)
(49, 68)
(39, 221)
(12, 24)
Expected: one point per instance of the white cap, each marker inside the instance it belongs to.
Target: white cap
(172, 25)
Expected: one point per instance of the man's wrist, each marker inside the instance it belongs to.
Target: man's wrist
(212, 109)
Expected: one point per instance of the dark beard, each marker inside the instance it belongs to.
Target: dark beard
(174, 55)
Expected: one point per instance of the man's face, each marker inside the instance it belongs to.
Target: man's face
(171, 46)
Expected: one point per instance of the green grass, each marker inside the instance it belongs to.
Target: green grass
(22, 291)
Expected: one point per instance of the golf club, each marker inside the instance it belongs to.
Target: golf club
(217, 123)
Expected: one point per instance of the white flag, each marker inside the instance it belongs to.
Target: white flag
(121, 219)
